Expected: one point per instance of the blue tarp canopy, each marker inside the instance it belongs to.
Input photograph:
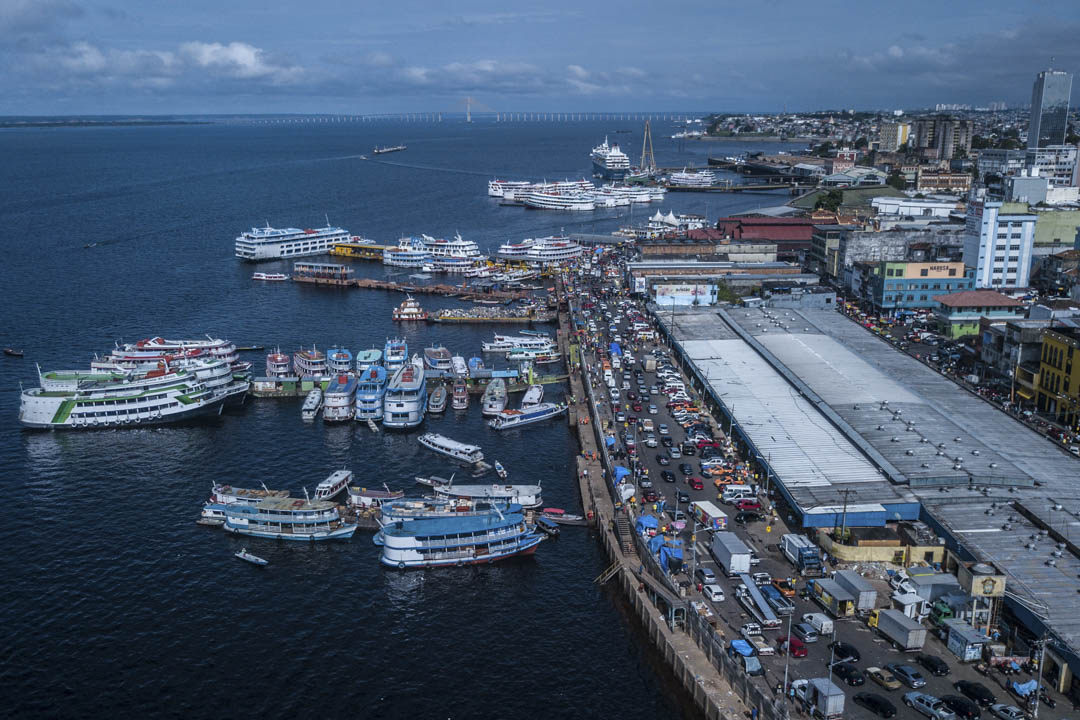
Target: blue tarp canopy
(646, 522)
(742, 647)
(655, 543)
(1024, 689)
(669, 552)
(610, 440)
(615, 349)
(620, 473)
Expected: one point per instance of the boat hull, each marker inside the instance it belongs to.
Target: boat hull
(525, 547)
(344, 533)
(209, 410)
(602, 171)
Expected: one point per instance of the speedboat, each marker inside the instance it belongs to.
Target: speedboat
(500, 470)
(243, 554)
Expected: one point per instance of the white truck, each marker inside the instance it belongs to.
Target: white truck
(752, 633)
(709, 515)
(820, 622)
(730, 553)
(820, 697)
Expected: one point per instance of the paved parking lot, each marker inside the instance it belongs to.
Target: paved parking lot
(764, 537)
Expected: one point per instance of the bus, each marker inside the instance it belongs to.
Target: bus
(749, 596)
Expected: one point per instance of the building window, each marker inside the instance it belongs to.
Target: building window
(924, 272)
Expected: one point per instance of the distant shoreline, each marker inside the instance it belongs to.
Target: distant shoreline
(756, 138)
(7, 124)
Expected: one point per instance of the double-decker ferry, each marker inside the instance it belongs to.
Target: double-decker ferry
(508, 419)
(409, 252)
(215, 373)
(410, 310)
(462, 452)
(339, 361)
(609, 161)
(339, 400)
(453, 248)
(395, 354)
(278, 365)
(367, 358)
(438, 358)
(405, 401)
(467, 540)
(272, 243)
(498, 188)
(527, 496)
(310, 363)
(90, 399)
(159, 348)
(494, 400)
(700, 178)
(460, 397)
(213, 512)
(288, 519)
(506, 343)
(370, 389)
(539, 200)
(553, 250)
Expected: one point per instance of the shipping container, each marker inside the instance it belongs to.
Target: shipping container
(708, 515)
(905, 633)
(731, 553)
(864, 592)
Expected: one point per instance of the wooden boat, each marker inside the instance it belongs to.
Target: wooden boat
(243, 554)
(500, 470)
(12, 352)
(547, 526)
(558, 515)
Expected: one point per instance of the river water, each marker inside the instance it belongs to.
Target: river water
(116, 603)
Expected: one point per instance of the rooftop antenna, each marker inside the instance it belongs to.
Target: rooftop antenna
(306, 496)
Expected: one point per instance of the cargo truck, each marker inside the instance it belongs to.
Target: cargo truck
(904, 633)
(730, 553)
(820, 622)
(820, 697)
(712, 517)
(828, 593)
(854, 583)
(803, 554)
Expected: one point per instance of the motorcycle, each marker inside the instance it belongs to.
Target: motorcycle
(1046, 699)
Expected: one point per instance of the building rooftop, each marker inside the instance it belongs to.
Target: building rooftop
(977, 298)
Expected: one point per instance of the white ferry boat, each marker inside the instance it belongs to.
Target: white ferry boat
(498, 188)
(310, 363)
(494, 400)
(458, 366)
(462, 452)
(527, 496)
(339, 361)
(312, 404)
(438, 399)
(213, 512)
(555, 201)
(409, 310)
(508, 419)
(454, 248)
(370, 389)
(395, 354)
(409, 509)
(270, 277)
(609, 161)
(553, 250)
(405, 401)
(438, 358)
(457, 541)
(339, 401)
(288, 519)
(365, 498)
(533, 396)
(278, 365)
(269, 243)
(409, 252)
(69, 400)
(159, 348)
(515, 251)
(367, 358)
(700, 178)
(506, 343)
(334, 485)
(460, 397)
(215, 373)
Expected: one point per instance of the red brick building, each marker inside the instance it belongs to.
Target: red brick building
(791, 236)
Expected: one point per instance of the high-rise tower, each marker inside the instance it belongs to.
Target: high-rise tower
(1049, 109)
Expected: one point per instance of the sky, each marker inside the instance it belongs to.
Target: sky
(100, 57)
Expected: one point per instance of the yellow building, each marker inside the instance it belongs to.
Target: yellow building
(1059, 376)
(893, 135)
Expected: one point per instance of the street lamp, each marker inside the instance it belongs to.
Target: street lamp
(787, 657)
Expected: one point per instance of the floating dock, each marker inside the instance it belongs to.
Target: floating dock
(359, 251)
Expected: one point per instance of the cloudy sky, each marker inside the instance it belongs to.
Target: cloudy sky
(372, 56)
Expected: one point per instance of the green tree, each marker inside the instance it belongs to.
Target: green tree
(978, 142)
(830, 200)
(897, 180)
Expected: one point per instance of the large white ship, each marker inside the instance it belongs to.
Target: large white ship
(405, 401)
(339, 400)
(526, 415)
(457, 247)
(701, 178)
(158, 348)
(460, 451)
(506, 343)
(609, 162)
(539, 200)
(499, 188)
(272, 243)
(96, 399)
(215, 372)
(409, 252)
(553, 250)
(527, 496)
(494, 400)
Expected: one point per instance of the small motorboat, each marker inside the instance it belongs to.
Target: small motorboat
(500, 470)
(547, 527)
(12, 352)
(558, 515)
(243, 554)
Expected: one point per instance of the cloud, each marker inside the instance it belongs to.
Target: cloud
(239, 60)
(577, 72)
(28, 17)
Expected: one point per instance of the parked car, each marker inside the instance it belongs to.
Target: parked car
(667, 476)
(662, 460)
(645, 483)
(683, 497)
(748, 516)
(876, 704)
(673, 453)
(976, 691)
(686, 469)
(666, 441)
(653, 410)
(747, 505)
(662, 429)
(650, 496)
(784, 585)
(935, 665)
(883, 677)
(705, 575)
(849, 674)
(907, 675)
(844, 651)
(929, 706)
(804, 632)
(1006, 712)
(964, 708)
(714, 592)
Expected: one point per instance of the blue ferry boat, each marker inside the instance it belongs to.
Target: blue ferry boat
(526, 415)
(367, 358)
(409, 509)
(468, 540)
(395, 354)
(370, 388)
(339, 360)
(288, 519)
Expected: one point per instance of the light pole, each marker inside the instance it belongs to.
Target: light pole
(787, 657)
(1039, 670)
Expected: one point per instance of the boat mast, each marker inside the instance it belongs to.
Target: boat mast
(647, 150)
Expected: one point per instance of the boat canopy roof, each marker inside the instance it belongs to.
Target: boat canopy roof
(434, 527)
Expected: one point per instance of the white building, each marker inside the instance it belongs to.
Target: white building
(1056, 163)
(914, 207)
(998, 241)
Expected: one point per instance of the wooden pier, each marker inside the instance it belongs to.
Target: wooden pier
(459, 291)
